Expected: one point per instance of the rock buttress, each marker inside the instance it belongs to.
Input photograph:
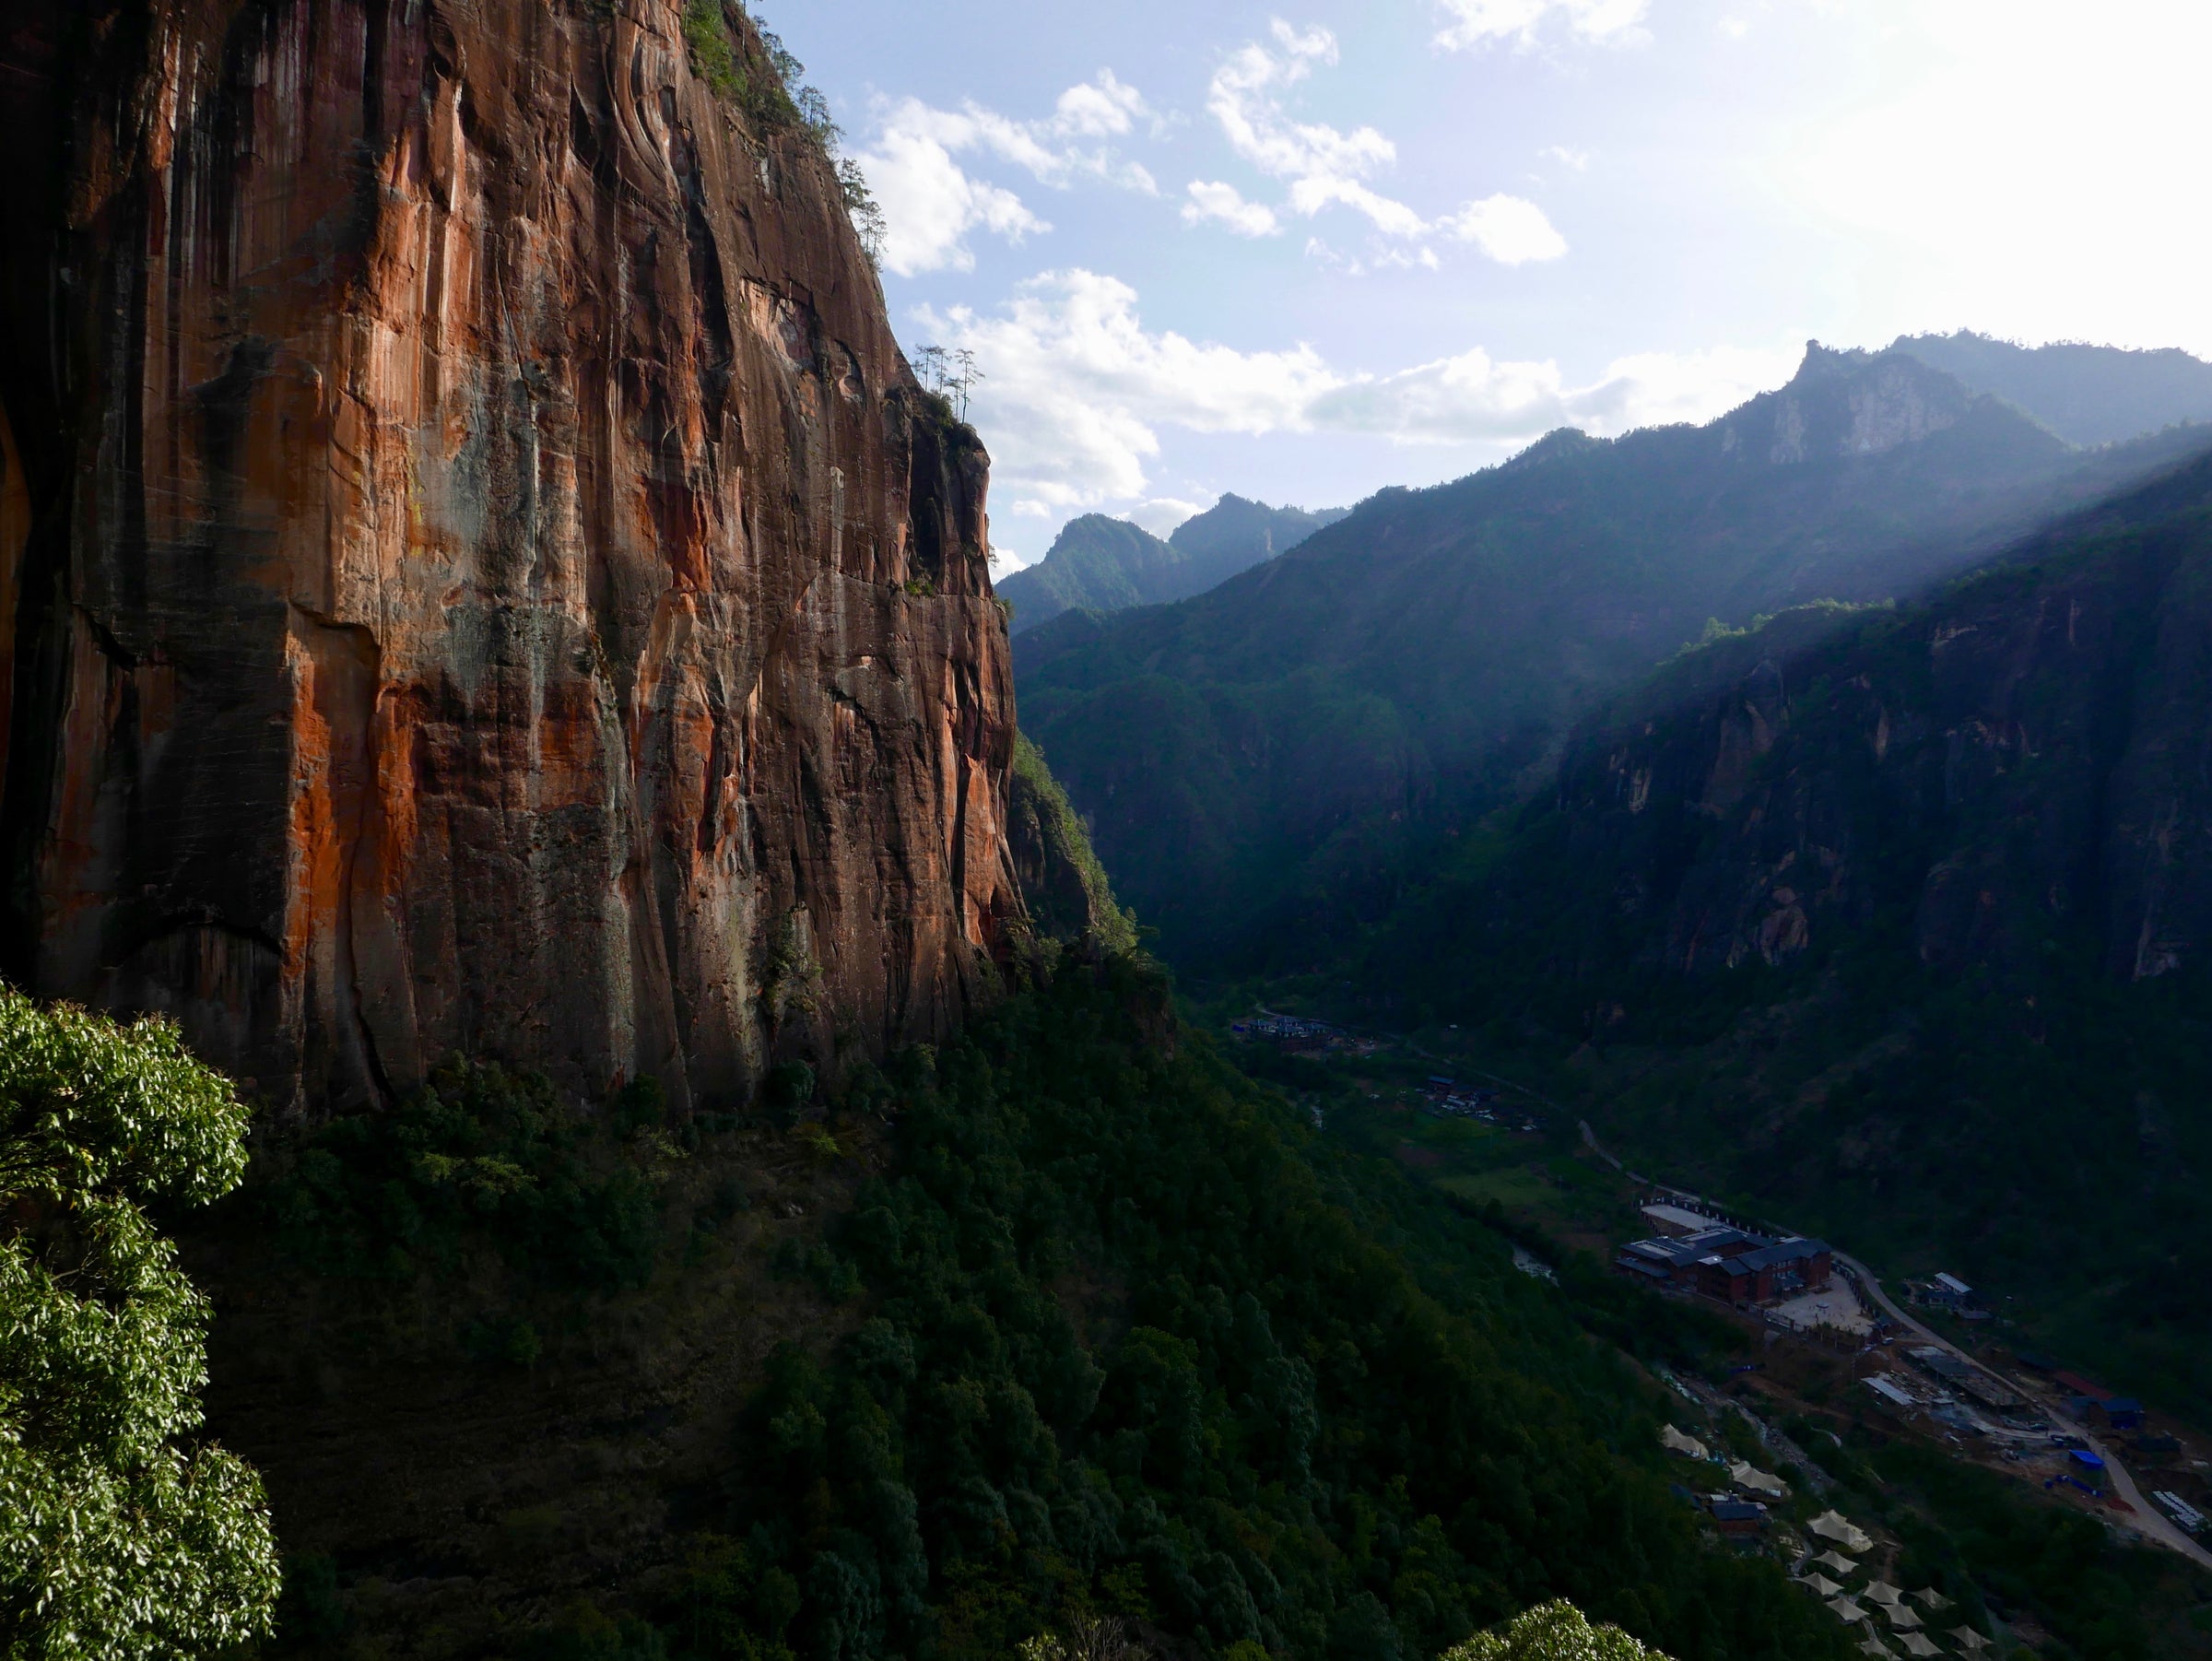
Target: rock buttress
(476, 570)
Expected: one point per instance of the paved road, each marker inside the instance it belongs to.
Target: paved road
(2153, 1522)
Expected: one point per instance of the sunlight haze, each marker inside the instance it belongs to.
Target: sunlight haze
(1302, 254)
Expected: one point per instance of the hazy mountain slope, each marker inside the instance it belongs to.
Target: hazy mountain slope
(1234, 535)
(1264, 760)
(1105, 565)
(2088, 395)
(1901, 924)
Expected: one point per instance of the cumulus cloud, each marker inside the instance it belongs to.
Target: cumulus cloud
(1074, 387)
(1076, 390)
(1323, 167)
(1511, 231)
(1225, 204)
(1470, 23)
(932, 201)
(1322, 164)
(1161, 514)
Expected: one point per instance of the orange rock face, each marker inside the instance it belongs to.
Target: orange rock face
(476, 570)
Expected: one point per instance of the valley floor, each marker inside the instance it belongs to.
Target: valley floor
(1513, 1153)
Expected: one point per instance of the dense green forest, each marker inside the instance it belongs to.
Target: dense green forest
(1109, 1333)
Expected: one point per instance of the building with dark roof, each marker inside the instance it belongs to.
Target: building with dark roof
(1730, 1265)
(1777, 1270)
(1738, 1516)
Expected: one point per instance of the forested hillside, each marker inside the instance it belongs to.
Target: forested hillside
(1264, 765)
(1064, 1318)
(1897, 923)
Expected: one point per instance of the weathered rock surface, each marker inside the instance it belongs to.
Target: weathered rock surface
(476, 570)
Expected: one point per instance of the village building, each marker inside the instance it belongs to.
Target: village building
(1729, 1264)
(1739, 1518)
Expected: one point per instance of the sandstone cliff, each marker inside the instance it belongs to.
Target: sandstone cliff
(476, 570)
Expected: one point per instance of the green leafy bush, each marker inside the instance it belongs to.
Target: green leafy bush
(1556, 1631)
(119, 1538)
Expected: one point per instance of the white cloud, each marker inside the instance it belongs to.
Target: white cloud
(1654, 389)
(1163, 513)
(1075, 390)
(1472, 399)
(1469, 23)
(1577, 159)
(1104, 107)
(1323, 164)
(1075, 386)
(1511, 231)
(1210, 199)
(1325, 167)
(931, 202)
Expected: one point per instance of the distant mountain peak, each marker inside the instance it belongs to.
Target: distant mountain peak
(1845, 402)
(2088, 395)
(1558, 442)
(1098, 563)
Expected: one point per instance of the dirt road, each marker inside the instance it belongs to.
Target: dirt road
(2152, 1522)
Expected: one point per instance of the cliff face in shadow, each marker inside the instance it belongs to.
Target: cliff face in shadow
(2017, 762)
(476, 570)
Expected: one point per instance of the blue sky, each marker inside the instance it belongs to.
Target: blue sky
(1301, 252)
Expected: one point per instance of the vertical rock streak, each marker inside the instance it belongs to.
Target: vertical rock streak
(495, 584)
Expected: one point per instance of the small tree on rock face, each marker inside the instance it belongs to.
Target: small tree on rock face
(117, 1541)
(1552, 1632)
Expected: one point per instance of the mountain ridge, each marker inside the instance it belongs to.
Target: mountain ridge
(1260, 761)
(1101, 564)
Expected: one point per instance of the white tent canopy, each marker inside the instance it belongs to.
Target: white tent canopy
(1917, 1646)
(1881, 1591)
(1840, 1563)
(1874, 1646)
(1928, 1597)
(1753, 1480)
(1681, 1443)
(1843, 1609)
(1970, 1640)
(1822, 1583)
(1902, 1618)
(1833, 1525)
